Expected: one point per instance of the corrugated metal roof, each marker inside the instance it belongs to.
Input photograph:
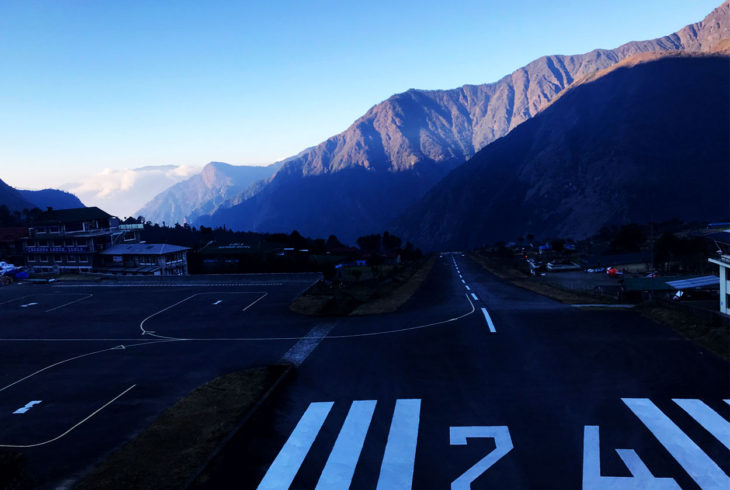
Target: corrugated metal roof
(695, 282)
(143, 249)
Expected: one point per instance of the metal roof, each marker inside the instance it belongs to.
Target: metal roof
(72, 215)
(143, 249)
(695, 282)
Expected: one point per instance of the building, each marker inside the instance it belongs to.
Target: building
(11, 244)
(722, 240)
(154, 259)
(67, 240)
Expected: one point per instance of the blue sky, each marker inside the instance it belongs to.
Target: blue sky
(93, 85)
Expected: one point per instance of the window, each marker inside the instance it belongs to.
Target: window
(72, 258)
(57, 259)
(83, 259)
(31, 258)
(44, 258)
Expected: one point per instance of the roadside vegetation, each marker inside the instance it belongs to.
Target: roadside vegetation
(627, 264)
(171, 451)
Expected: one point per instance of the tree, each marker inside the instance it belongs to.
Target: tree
(369, 243)
(629, 238)
(391, 242)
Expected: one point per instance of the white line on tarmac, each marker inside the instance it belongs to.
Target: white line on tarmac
(152, 332)
(489, 321)
(707, 418)
(282, 471)
(474, 296)
(141, 341)
(27, 407)
(218, 302)
(340, 467)
(263, 295)
(299, 352)
(703, 470)
(15, 299)
(70, 303)
(72, 428)
(50, 366)
(467, 287)
(396, 472)
(28, 304)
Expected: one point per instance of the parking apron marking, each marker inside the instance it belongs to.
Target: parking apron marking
(27, 407)
(489, 321)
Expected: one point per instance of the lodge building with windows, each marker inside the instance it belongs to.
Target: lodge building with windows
(91, 240)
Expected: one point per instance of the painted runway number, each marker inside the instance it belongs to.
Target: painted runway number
(396, 470)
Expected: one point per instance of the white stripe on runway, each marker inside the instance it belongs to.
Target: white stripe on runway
(463, 281)
(474, 296)
(282, 471)
(489, 321)
(467, 287)
(695, 462)
(342, 460)
(299, 352)
(707, 418)
(396, 472)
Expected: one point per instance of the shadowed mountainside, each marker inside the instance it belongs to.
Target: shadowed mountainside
(347, 184)
(641, 143)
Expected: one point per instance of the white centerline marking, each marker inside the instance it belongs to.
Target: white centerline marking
(28, 304)
(707, 418)
(703, 470)
(27, 407)
(342, 460)
(396, 472)
(489, 321)
(467, 287)
(474, 296)
(218, 302)
(282, 471)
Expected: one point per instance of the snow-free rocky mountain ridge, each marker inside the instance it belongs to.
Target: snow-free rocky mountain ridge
(644, 142)
(359, 180)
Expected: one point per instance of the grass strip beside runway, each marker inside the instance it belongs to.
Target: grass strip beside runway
(168, 452)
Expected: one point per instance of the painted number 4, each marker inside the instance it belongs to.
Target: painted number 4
(502, 442)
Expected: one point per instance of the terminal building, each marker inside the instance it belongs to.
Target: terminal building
(156, 259)
(722, 241)
(78, 240)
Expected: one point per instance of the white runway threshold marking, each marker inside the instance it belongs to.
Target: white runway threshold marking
(490, 324)
(301, 350)
(282, 471)
(703, 470)
(712, 421)
(27, 407)
(343, 459)
(396, 472)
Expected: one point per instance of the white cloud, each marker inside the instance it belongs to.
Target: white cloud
(123, 192)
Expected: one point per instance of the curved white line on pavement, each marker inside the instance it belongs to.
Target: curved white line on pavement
(152, 333)
(70, 303)
(50, 366)
(23, 446)
(348, 336)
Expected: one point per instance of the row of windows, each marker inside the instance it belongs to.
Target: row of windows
(59, 243)
(57, 259)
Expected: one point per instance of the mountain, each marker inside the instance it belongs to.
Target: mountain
(52, 198)
(14, 200)
(204, 192)
(646, 141)
(121, 192)
(359, 180)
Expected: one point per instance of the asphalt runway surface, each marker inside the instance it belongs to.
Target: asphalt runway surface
(474, 383)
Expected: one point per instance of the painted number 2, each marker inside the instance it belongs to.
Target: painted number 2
(503, 445)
